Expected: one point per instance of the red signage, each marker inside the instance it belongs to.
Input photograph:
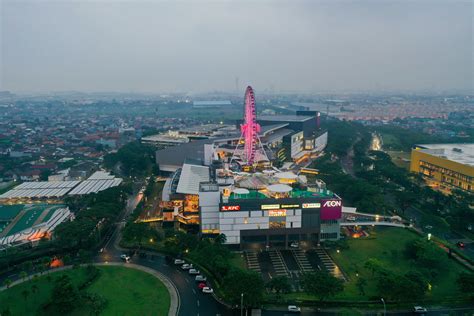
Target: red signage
(331, 209)
(230, 208)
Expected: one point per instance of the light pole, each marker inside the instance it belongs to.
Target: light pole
(384, 308)
(241, 304)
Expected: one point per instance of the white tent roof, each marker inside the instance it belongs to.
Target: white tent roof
(191, 176)
(279, 188)
(241, 191)
(286, 175)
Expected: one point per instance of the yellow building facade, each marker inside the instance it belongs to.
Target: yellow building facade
(445, 167)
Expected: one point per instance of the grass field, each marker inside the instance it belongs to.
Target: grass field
(387, 245)
(400, 158)
(127, 291)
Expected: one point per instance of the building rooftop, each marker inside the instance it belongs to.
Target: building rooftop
(461, 153)
(172, 158)
(191, 176)
(284, 118)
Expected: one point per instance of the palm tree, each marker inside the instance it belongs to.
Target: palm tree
(8, 282)
(23, 275)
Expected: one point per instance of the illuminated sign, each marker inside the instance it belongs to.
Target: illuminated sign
(331, 209)
(270, 206)
(290, 206)
(332, 203)
(311, 205)
(230, 208)
(277, 213)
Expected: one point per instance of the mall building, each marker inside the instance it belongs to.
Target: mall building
(445, 167)
(269, 208)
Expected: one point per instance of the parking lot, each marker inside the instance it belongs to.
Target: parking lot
(291, 263)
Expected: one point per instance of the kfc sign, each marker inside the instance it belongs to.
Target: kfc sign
(331, 209)
(230, 208)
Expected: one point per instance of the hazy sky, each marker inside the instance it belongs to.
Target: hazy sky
(199, 45)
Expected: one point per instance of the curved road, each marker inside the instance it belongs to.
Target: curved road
(192, 301)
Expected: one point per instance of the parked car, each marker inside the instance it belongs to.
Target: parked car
(207, 289)
(193, 271)
(186, 266)
(294, 244)
(351, 218)
(419, 310)
(294, 309)
(202, 285)
(200, 278)
(125, 257)
(178, 261)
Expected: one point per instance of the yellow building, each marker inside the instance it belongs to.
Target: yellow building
(445, 166)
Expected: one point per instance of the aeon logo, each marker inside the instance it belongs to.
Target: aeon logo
(332, 203)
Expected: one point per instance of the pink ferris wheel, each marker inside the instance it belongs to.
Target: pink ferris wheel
(250, 128)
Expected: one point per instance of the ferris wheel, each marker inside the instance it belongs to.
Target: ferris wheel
(250, 128)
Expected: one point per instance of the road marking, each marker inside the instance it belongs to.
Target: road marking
(198, 302)
(194, 291)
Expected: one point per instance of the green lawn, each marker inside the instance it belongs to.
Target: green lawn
(238, 261)
(127, 291)
(387, 245)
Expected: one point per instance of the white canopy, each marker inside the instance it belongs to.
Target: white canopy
(286, 175)
(279, 188)
(241, 191)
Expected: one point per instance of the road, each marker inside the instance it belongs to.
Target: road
(192, 301)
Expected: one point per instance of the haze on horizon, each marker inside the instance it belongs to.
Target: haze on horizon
(204, 45)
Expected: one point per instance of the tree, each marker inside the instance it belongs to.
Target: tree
(7, 282)
(374, 265)
(321, 284)
(279, 284)
(247, 282)
(465, 283)
(23, 275)
(361, 284)
(65, 296)
(25, 293)
(6, 311)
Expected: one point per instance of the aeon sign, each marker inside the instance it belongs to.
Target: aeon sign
(332, 203)
(331, 209)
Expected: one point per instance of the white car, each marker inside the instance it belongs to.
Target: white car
(178, 261)
(419, 310)
(193, 271)
(351, 218)
(186, 266)
(200, 278)
(294, 244)
(125, 257)
(207, 289)
(294, 309)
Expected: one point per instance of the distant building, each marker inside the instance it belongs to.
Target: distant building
(445, 166)
(211, 104)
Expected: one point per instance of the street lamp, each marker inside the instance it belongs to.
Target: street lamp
(241, 304)
(384, 307)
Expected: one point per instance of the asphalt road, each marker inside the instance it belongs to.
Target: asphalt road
(192, 301)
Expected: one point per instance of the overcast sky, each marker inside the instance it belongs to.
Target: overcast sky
(199, 45)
